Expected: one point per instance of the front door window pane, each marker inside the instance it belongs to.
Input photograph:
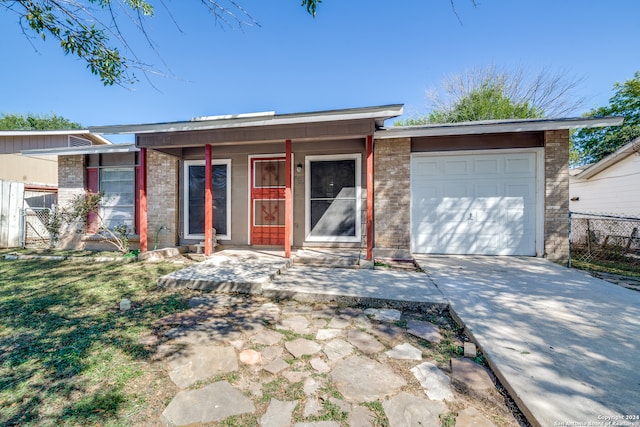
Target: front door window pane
(333, 198)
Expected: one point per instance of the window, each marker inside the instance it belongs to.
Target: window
(333, 198)
(118, 203)
(114, 175)
(194, 185)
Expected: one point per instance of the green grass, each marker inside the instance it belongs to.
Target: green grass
(629, 269)
(67, 354)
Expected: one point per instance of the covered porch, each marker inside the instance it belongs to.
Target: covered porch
(262, 180)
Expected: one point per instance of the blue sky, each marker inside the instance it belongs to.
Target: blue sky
(354, 53)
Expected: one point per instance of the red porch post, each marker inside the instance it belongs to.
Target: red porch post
(142, 220)
(208, 202)
(287, 201)
(369, 197)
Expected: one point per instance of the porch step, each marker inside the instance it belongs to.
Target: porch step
(233, 271)
(328, 258)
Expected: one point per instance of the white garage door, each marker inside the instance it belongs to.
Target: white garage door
(482, 204)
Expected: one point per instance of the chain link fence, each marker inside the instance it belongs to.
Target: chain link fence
(605, 239)
(35, 224)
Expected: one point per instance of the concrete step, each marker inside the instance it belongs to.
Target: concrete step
(327, 259)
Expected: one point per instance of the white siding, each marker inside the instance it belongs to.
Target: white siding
(616, 190)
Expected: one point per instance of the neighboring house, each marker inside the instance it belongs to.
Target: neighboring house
(38, 172)
(31, 182)
(336, 179)
(610, 186)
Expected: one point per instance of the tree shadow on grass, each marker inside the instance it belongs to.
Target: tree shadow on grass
(66, 351)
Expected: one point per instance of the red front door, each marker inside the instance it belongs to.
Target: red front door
(268, 177)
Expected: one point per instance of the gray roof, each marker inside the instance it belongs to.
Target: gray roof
(495, 126)
(378, 113)
(92, 149)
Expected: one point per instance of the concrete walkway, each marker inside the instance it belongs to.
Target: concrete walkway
(566, 345)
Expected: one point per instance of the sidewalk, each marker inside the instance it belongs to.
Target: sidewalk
(566, 345)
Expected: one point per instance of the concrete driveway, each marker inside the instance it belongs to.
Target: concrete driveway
(566, 345)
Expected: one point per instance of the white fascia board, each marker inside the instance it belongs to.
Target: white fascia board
(474, 128)
(235, 121)
(613, 158)
(72, 151)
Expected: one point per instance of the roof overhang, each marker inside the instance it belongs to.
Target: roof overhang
(84, 133)
(496, 126)
(613, 158)
(72, 151)
(378, 113)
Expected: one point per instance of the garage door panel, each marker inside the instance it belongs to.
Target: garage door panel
(488, 166)
(478, 204)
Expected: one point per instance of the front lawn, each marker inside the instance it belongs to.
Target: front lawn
(68, 356)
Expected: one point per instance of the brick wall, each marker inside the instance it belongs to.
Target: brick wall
(162, 199)
(392, 174)
(556, 199)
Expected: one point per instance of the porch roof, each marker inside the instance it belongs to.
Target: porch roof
(377, 113)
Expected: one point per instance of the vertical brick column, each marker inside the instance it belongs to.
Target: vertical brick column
(162, 199)
(71, 183)
(556, 199)
(392, 175)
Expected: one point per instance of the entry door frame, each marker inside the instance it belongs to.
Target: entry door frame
(357, 157)
(250, 158)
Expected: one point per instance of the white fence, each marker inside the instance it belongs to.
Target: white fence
(11, 202)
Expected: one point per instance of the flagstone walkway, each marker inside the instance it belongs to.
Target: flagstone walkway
(246, 360)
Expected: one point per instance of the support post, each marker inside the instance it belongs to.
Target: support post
(142, 220)
(369, 197)
(287, 201)
(208, 202)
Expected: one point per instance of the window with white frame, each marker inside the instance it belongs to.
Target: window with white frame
(194, 198)
(118, 202)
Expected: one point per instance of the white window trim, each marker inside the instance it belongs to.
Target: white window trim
(185, 188)
(307, 199)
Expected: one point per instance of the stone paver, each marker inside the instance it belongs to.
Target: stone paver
(298, 324)
(384, 314)
(337, 349)
(270, 353)
(312, 407)
(250, 357)
(436, 384)
(327, 334)
(319, 365)
(339, 323)
(389, 334)
(267, 337)
(301, 347)
(213, 402)
(198, 363)
(310, 386)
(278, 414)
(471, 417)
(361, 417)
(469, 349)
(408, 410)
(405, 352)
(361, 379)
(276, 366)
(471, 375)
(425, 330)
(364, 342)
